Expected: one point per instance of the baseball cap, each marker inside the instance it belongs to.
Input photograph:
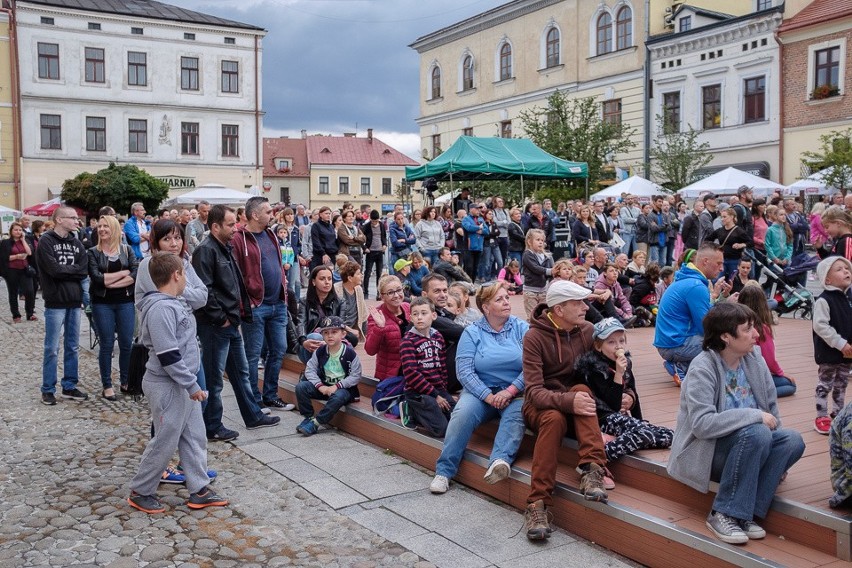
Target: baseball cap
(331, 322)
(562, 291)
(606, 327)
(400, 264)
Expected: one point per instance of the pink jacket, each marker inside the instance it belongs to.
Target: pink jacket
(622, 305)
(817, 230)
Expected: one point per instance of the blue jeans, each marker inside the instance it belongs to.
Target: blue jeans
(304, 354)
(629, 243)
(685, 353)
(783, 386)
(222, 350)
(110, 319)
(431, 256)
(468, 414)
(55, 319)
(657, 253)
(269, 321)
(87, 300)
(294, 279)
(516, 256)
(730, 267)
(748, 464)
(306, 392)
(490, 257)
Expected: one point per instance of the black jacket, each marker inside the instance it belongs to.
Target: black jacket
(367, 229)
(324, 240)
(450, 271)
(452, 332)
(227, 297)
(839, 306)
(689, 232)
(517, 240)
(99, 263)
(312, 314)
(62, 266)
(597, 372)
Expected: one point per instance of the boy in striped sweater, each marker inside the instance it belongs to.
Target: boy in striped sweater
(424, 365)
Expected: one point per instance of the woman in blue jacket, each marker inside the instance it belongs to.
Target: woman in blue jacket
(402, 239)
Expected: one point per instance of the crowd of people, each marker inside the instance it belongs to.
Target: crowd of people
(443, 326)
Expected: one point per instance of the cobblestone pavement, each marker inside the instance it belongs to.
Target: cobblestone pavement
(63, 483)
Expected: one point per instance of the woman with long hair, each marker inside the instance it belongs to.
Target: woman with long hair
(351, 238)
(292, 240)
(733, 239)
(583, 229)
(112, 270)
(430, 234)
(16, 255)
(320, 302)
(778, 242)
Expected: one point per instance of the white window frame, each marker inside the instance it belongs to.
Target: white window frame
(542, 64)
(465, 54)
(841, 76)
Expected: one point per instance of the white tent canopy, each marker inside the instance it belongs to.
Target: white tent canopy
(814, 184)
(728, 181)
(213, 193)
(634, 185)
(7, 211)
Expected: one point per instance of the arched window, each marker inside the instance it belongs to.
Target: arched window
(552, 48)
(604, 33)
(436, 82)
(467, 73)
(624, 28)
(505, 61)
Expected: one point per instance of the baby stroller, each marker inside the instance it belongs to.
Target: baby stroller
(786, 285)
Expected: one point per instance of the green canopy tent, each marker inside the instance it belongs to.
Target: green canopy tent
(491, 159)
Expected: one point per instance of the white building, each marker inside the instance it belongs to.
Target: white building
(720, 74)
(175, 92)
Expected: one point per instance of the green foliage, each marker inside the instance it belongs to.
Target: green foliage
(836, 153)
(573, 129)
(116, 186)
(676, 156)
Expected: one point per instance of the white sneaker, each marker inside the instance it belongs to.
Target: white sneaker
(265, 410)
(439, 485)
(497, 471)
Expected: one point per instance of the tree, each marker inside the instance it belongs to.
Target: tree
(676, 156)
(573, 129)
(836, 153)
(116, 186)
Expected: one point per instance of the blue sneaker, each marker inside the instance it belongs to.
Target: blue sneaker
(672, 370)
(172, 475)
(308, 427)
(211, 473)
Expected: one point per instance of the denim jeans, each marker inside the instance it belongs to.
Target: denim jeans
(306, 392)
(222, 350)
(657, 253)
(87, 300)
(629, 243)
(55, 320)
(490, 258)
(294, 279)
(304, 354)
(516, 256)
(685, 353)
(468, 414)
(783, 386)
(730, 267)
(110, 319)
(748, 464)
(269, 321)
(503, 245)
(431, 256)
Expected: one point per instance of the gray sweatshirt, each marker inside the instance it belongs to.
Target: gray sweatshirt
(430, 235)
(168, 330)
(195, 294)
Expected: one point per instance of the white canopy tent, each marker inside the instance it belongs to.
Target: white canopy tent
(814, 184)
(634, 185)
(728, 181)
(7, 211)
(213, 193)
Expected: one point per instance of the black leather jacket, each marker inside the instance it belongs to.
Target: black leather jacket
(312, 314)
(227, 298)
(99, 263)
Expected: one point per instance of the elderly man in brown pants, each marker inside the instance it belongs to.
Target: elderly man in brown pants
(556, 403)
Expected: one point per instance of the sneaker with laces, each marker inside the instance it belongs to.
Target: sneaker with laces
(205, 498)
(439, 485)
(753, 530)
(308, 427)
(172, 475)
(75, 394)
(48, 398)
(822, 424)
(278, 404)
(264, 422)
(592, 482)
(497, 471)
(725, 528)
(146, 503)
(535, 521)
(222, 435)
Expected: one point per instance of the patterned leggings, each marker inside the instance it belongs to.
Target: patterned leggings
(831, 378)
(632, 434)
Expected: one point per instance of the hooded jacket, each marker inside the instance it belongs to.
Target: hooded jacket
(550, 354)
(832, 324)
(62, 266)
(682, 308)
(169, 333)
(598, 371)
(246, 252)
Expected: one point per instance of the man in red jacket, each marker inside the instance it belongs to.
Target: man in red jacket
(556, 402)
(258, 256)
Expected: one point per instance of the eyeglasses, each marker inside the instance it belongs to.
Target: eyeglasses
(398, 292)
(73, 218)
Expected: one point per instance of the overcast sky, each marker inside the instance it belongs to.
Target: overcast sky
(331, 66)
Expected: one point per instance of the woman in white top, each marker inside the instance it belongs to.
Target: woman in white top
(430, 235)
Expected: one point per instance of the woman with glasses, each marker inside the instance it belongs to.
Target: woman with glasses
(386, 325)
(488, 364)
(112, 270)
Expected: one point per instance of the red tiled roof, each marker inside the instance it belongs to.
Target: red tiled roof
(818, 12)
(293, 148)
(346, 150)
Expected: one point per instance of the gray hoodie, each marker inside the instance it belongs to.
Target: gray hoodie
(168, 330)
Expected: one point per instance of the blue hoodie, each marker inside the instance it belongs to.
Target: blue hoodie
(682, 308)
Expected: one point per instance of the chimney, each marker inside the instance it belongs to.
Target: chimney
(370, 135)
(304, 134)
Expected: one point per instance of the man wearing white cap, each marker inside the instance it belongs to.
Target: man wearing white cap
(556, 402)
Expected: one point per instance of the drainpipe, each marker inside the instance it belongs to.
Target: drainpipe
(646, 152)
(780, 108)
(258, 134)
(16, 107)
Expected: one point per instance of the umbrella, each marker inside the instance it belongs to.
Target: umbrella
(634, 185)
(728, 181)
(213, 193)
(814, 184)
(47, 208)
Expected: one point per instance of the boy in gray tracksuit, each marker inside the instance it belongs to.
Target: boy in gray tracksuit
(169, 333)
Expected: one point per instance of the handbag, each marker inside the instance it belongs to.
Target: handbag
(30, 271)
(616, 240)
(136, 369)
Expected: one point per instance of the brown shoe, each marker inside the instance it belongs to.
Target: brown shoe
(535, 521)
(592, 482)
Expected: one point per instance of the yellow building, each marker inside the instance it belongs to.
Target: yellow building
(9, 153)
(477, 75)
